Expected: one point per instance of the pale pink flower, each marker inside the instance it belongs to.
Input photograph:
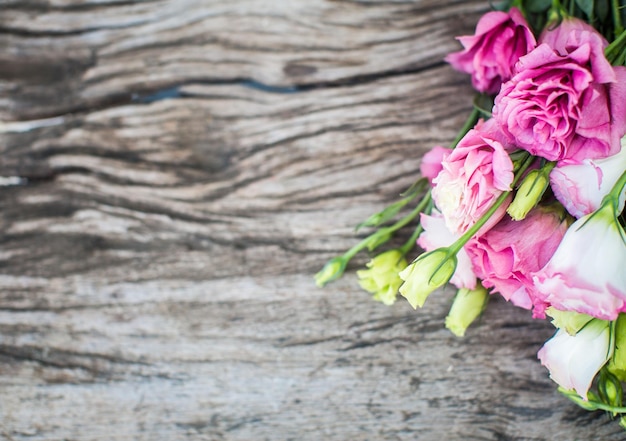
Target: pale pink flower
(586, 274)
(489, 55)
(431, 162)
(505, 256)
(436, 235)
(474, 175)
(565, 100)
(580, 186)
(574, 360)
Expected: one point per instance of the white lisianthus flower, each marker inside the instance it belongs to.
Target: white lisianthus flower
(586, 274)
(581, 186)
(573, 361)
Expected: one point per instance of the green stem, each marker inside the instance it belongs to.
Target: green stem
(388, 230)
(409, 244)
(456, 246)
(613, 197)
(617, 18)
(592, 404)
(557, 12)
(617, 189)
(471, 121)
(612, 335)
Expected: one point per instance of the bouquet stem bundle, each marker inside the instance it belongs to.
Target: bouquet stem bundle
(528, 201)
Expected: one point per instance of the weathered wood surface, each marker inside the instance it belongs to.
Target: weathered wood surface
(183, 168)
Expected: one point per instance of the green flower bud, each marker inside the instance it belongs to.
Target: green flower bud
(382, 279)
(570, 321)
(428, 272)
(530, 192)
(333, 269)
(467, 306)
(617, 363)
(610, 389)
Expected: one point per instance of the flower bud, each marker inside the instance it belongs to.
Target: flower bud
(333, 269)
(467, 306)
(617, 364)
(382, 279)
(528, 194)
(570, 321)
(610, 389)
(428, 272)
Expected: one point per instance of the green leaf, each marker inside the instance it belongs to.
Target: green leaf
(389, 212)
(586, 6)
(504, 6)
(416, 188)
(537, 6)
(602, 8)
(380, 218)
(483, 103)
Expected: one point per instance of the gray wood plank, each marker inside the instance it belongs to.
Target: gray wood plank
(184, 169)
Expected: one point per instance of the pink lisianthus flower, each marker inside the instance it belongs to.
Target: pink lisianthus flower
(505, 256)
(473, 176)
(436, 235)
(431, 162)
(565, 100)
(574, 360)
(586, 273)
(580, 186)
(489, 56)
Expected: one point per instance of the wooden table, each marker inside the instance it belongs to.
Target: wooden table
(173, 174)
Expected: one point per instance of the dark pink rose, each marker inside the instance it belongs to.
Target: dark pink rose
(489, 56)
(473, 176)
(431, 162)
(505, 256)
(565, 100)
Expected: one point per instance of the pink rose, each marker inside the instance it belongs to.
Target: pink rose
(505, 256)
(431, 162)
(565, 100)
(580, 186)
(436, 235)
(474, 175)
(586, 273)
(489, 56)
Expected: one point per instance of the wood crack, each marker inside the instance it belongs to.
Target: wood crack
(173, 90)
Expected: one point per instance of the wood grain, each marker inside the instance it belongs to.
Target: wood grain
(174, 173)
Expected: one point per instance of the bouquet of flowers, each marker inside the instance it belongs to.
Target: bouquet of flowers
(528, 202)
